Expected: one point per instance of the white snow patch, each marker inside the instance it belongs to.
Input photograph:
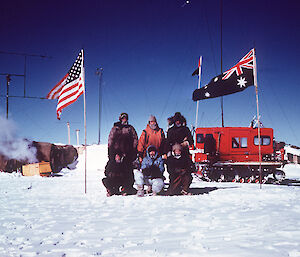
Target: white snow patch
(54, 217)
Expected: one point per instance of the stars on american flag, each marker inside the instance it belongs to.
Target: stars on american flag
(70, 87)
(75, 71)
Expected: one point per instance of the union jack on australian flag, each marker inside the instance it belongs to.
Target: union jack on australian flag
(234, 80)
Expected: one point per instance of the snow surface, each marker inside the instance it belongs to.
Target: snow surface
(53, 216)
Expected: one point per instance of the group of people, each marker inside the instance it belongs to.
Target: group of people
(142, 160)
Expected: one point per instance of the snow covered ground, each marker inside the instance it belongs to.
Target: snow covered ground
(42, 216)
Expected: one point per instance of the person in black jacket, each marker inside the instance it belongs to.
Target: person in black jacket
(116, 175)
(210, 148)
(180, 167)
(179, 133)
(123, 139)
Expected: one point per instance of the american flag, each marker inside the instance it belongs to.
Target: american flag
(70, 87)
(245, 62)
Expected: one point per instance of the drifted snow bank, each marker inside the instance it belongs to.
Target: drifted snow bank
(54, 217)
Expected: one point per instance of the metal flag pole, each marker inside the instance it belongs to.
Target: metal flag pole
(221, 59)
(99, 72)
(84, 118)
(258, 122)
(199, 80)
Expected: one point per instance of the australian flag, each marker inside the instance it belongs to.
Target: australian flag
(236, 79)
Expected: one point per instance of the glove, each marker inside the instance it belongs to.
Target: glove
(185, 144)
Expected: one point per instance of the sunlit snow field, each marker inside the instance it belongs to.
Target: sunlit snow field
(53, 216)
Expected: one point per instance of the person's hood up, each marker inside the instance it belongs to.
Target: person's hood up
(152, 148)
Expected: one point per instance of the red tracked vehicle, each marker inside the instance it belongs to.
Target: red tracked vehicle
(232, 154)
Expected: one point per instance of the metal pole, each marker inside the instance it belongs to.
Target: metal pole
(7, 93)
(99, 72)
(221, 21)
(25, 61)
(258, 122)
(69, 137)
(77, 136)
(84, 118)
(199, 80)
(8, 79)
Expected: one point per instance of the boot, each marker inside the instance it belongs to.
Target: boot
(149, 190)
(140, 191)
(183, 192)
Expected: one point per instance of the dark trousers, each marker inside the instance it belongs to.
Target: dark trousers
(113, 182)
(178, 182)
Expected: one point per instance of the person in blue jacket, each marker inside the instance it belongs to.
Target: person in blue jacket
(151, 172)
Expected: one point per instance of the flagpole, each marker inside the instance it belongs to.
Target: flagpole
(199, 79)
(257, 109)
(221, 46)
(84, 118)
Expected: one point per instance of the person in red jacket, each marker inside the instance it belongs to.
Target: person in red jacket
(152, 135)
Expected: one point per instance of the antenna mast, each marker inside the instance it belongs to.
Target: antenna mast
(99, 72)
(9, 75)
(221, 21)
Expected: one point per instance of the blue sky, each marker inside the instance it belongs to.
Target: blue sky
(148, 50)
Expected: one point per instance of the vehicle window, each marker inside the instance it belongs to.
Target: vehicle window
(264, 140)
(235, 142)
(200, 138)
(244, 142)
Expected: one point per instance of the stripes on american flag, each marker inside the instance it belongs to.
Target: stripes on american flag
(70, 87)
(54, 93)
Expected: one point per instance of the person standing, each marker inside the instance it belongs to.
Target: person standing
(152, 135)
(123, 140)
(179, 133)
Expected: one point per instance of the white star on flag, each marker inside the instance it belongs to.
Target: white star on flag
(207, 94)
(242, 82)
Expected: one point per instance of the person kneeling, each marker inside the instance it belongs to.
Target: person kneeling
(180, 167)
(151, 173)
(116, 175)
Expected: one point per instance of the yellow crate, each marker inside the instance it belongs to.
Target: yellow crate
(40, 168)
